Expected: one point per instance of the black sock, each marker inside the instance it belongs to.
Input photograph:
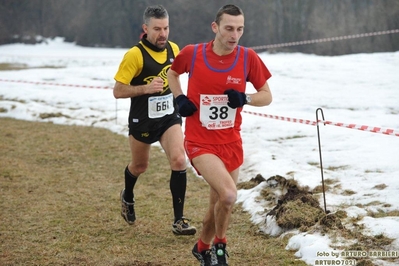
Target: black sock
(130, 181)
(178, 183)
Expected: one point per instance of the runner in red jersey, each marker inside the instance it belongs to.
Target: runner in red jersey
(218, 72)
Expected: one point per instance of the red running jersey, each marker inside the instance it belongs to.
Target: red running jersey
(209, 76)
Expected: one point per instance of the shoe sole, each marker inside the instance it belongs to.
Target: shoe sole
(124, 218)
(187, 232)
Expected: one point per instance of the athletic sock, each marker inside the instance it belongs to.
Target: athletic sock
(130, 181)
(218, 240)
(178, 183)
(202, 246)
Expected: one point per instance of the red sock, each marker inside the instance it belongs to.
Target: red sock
(202, 246)
(218, 240)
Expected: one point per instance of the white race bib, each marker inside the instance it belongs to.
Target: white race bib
(159, 106)
(215, 113)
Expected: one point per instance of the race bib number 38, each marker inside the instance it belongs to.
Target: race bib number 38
(215, 113)
(159, 106)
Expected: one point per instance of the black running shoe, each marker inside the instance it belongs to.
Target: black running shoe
(127, 209)
(221, 254)
(205, 257)
(182, 227)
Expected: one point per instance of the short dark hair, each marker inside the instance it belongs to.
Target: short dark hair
(157, 11)
(230, 10)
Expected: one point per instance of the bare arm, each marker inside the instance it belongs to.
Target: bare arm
(127, 91)
(174, 83)
(262, 97)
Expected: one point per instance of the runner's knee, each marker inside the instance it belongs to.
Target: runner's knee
(138, 168)
(228, 198)
(178, 162)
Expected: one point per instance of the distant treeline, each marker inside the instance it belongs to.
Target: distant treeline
(117, 23)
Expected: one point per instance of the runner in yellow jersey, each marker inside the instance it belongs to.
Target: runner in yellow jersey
(153, 117)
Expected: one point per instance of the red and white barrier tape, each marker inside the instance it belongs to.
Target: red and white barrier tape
(361, 35)
(385, 131)
(56, 84)
(294, 120)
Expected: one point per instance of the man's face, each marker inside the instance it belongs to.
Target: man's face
(229, 31)
(157, 31)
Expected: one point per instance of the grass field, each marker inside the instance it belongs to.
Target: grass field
(59, 204)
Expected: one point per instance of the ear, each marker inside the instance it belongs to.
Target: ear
(144, 27)
(214, 27)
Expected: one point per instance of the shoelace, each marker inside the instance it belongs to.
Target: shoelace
(208, 257)
(183, 222)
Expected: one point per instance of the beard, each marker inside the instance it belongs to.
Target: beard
(161, 43)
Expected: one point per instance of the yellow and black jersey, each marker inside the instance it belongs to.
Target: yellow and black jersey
(140, 65)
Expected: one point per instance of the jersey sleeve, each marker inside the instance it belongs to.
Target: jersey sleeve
(182, 63)
(258, 72)
(130, 67)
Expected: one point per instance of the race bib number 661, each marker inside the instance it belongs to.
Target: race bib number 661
(215, 113)
(159, 106)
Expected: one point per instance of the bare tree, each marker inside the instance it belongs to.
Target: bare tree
(118, 23)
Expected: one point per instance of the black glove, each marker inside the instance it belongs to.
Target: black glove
(236, 98)
(186, 107)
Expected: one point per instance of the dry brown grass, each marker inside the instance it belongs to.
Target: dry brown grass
(59, 204)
